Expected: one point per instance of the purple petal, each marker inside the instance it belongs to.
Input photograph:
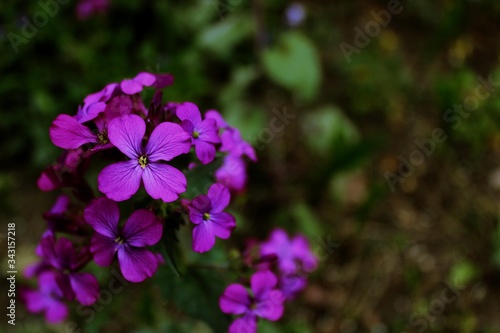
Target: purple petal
(126, 133)
(48, 284)
(271, 308)
(199, 206)
(163, 181)
(56, 311)
(67, 133)
(103, 248)
(235, 300)
(219, 196)
(245, 324)
(119, 106)
(142, 229)
(163, 80)
(120, 181)
(61, 205)
(145, 79)
(301, 250)
(35, 301)
(212, 114)
(103, 216)
(167, 141)
(48, 180)
(189, 111)
(65, 253)
(207, 130)
(262, 283)
(205, 151)
(222, 224)
(137, 264)
(90, 111)
(85, 286)
(130, 87)
(232, 173)
(203, 237)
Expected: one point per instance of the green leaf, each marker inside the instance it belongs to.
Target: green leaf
(294, 63)
(196, 294)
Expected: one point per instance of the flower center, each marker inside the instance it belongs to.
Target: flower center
(103, 137)
(206, 216)
(119, 240)
(143, 161)
(196, 134)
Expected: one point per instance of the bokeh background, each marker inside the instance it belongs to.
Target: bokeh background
(388, 253)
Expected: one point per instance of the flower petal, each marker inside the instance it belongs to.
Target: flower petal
(189, 111)
(222, 224)
(103, 215)
(103, 248)
(245, 324)
(85, 286)
(136, 264)
(120, 181)
(215, 115)
(142, 229)
(65, 253)
(205, 151)
(235, 300)
(67, 133)
(130, 87)
(203, 237)
(232, 173)
(219, 196)
(163, 181)
(167, 141)
(208, 131)
(126, 133)
(56, 311)
(271, 308)
(198, 207)
(262, 283)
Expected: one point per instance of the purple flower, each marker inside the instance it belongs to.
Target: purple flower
(60, 173)
(87, 8)
(135, 85)
(232, 143)
(292, 284)
(119, 181)
(68, 133)
(95, 103)
(290, 252)
(232, 173)
(48, 299)
(141, 229)
(61, 255)
(203, 132)
(266, 302)
(206, 211)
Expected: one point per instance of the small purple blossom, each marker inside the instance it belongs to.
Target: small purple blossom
(87, 8)
(207, 213)
(265, 301)
(61, 255)
(295, 14)
(141, 229)
(119, 181)
(203, 132)
(47, 299)
(95, 103)
(232, 173)
(135, 85)
(292, 253)
(61, 173)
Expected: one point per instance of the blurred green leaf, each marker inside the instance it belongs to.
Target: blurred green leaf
(294, 63)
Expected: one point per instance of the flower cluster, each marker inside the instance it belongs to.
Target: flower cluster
(145, 156)
(291, 259)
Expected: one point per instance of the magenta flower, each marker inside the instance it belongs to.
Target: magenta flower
(68, 133)
(206, 212)
(119, 181)
(265, 302)
(47, 299)
(135, 85)
(232, 173)
(61, 255)
(141, 229)
(87, 8)
(203, 132)
(291, 254)
(95, 103)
